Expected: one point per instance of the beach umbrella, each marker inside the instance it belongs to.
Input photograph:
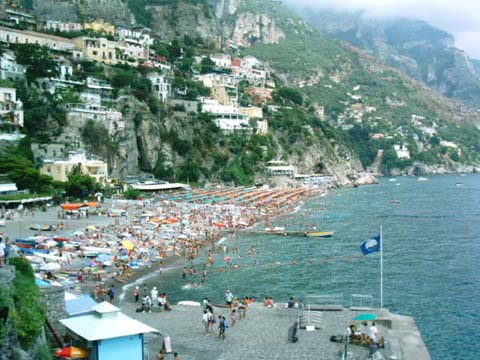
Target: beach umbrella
(365, 317)
(127, 244)
(72, 352)
(91, 227)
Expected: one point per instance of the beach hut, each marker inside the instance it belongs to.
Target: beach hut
(108, 334)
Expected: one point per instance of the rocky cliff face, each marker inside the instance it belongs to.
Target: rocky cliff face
(249, 29)
(113, 11)
(171, 21)
(417, 48)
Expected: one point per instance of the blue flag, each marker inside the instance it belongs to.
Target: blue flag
(371, 245)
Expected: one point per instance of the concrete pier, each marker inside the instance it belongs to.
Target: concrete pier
(263, 335)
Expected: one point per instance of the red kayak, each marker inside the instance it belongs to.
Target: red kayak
(60, 239)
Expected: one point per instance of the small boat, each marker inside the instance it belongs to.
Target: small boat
(422, 179)
(24, 246)
(275, 229)
(38, 227)
(26, 241)
(60, 239)
(392, 179)
(2, 223)
(319, 233)
(32, 251)
(393, 201)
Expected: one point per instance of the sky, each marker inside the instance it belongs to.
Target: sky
(461, 18)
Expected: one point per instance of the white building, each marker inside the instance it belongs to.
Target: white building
(142, 36)
(448, 144)
(161, 86)
(63, 26)
(228, 118)
(9, 69)
(101, 88)
(212, 80)
(402, 151)
(15, 36)
(60, 169)
(79, 114)
(222, 60)
(11, 108)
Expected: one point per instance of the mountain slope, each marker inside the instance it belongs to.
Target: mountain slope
(415, 47)
(361, 97)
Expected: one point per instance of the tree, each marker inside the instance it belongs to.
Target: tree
(132, 194)
(20, 170)
(79, 185)
(207, 65)
(290, 94)
(37, 59)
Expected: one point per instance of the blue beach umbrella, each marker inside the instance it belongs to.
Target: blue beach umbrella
(365, 317)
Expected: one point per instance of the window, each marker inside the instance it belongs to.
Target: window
(95, 53)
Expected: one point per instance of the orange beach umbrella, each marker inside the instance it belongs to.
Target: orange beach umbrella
(72, 352)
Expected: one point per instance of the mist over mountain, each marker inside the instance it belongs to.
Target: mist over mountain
(420, 50)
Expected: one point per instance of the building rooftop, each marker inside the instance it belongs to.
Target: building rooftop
(97, 326)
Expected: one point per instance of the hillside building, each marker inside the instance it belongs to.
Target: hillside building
(108, 51)
(15, 36)
(228, 118)
(62, 26)
(60, 169)
(161, 86)
(11, 108)
(100, 26)
(9, 69)
(80, 114)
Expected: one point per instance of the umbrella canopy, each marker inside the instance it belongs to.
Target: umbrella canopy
(91, 227)
(365, 317)
(127, 244)
(72, 352)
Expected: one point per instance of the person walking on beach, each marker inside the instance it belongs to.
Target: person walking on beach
(2, 252)
(147, 304)
(136, 294)
(176, 356)
(228, 298)
(161, 355)
(154, 294)
(206, 320)
(222, 326)
(111, 293)
(233, 317)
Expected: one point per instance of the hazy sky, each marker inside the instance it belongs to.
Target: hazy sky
(461, 18)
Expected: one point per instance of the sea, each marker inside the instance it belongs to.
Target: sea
(431, 252)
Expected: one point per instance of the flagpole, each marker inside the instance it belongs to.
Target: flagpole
(381, 267)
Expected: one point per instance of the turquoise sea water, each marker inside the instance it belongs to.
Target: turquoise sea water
(431, 237)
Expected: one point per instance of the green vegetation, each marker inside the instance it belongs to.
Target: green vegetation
(97, 140)
(125, 76)
(37, 59)
(28, 313)
(80, 186)
(132, 194)
(20, 170)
